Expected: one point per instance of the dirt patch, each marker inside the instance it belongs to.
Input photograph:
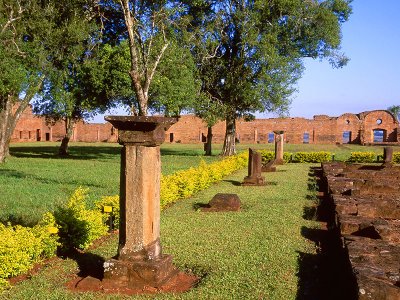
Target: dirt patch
(179, 283)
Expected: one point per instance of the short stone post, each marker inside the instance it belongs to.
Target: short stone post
(140, 261)
(278, 147)
(254, 169)
(388, 156)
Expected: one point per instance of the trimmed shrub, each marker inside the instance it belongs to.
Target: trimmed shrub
(184, 184)
(312, 157)
(362, 157)
(79, 226)
(22, 247)
(396, 157)
(267, 156)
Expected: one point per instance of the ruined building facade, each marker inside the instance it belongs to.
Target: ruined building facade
(378, 126)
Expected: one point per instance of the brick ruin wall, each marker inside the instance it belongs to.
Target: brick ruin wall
(322, 129)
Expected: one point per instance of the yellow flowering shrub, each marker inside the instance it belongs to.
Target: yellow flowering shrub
(79, 226)
(186, 183)
(22, 247)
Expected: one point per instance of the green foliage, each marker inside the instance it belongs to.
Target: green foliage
(79, 226)
(396, 157)
(362, 157)
(395, 110)
(267, 156)
(312, 157)
(22, 247)
(250, 53)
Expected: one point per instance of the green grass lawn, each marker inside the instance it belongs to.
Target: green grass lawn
(251, 254)
(35, 180)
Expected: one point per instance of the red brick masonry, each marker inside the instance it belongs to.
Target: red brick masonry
(378, 126)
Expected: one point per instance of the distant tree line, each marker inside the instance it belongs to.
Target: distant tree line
(219, 59)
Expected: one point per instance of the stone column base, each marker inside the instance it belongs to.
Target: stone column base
(253, 181)
(138, 274)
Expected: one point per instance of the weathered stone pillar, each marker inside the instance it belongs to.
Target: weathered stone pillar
(388, 156)
(254, 169)
(140, 261)
(278, 147)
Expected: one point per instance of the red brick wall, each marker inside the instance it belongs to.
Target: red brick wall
(321, 129)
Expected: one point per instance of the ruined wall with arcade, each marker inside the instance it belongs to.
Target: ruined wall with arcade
(31, 128)
(371, 127)
(378, 126)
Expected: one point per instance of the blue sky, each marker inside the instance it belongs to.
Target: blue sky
(371, 80)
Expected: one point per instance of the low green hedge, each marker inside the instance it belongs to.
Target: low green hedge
(186, 183)
(362, 157)
(312, 157)
(22, 247)
(267, 156)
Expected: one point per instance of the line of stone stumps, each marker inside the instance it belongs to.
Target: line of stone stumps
(365, 203)
(140, 266)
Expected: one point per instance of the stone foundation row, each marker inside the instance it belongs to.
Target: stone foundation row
(366, 202)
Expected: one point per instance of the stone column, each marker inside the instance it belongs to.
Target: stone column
(278, 147)
(254, 169)
(140, 261)
(388, 156)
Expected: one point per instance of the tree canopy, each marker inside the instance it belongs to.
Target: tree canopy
(250, 52)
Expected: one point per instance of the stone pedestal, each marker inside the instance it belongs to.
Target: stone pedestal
(223, 202)
(254, 172)
(140, 261)
(388, 156)
(278, 147)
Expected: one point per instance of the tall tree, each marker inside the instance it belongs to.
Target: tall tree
(395, 110)
(256, 50)
(174, 87)
(150, 28)
(74, 42)
(23, 27)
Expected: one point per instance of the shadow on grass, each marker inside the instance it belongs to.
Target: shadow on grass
(87, 152)
(89, 264)
(23, 220)
(75, 152)
(326, 274)
(234, 182)
(22, 175)
(199, 206)
(181, 152)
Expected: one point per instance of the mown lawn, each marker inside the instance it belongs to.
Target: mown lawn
(35, 180)
(251, 254)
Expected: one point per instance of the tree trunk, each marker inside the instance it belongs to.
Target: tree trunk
(6, 115)
(230, 134)
(209, 141)
(69, 129)
(9, 118)
(8, 122)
